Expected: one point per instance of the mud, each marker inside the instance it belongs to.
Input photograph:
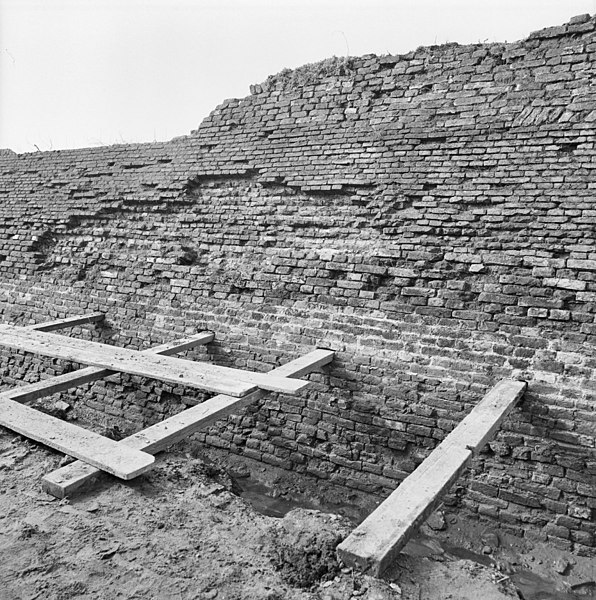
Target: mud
(303, 546)
(181, 533)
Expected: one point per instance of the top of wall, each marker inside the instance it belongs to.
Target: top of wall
(424, 75)
(452, 125)
(425, 97)
(289, 79)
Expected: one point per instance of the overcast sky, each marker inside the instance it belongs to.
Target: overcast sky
(76, 73)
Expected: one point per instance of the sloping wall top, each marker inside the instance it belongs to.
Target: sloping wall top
(429, 216)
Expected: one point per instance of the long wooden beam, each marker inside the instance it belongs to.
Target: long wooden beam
(374, 545)
(94, 449)
(60, 383)
(99, 451)
(233, 382)
(68, 322)
(71, 478)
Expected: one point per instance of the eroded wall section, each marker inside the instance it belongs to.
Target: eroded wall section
(431, 217)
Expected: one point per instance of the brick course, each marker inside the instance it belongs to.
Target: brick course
(428, 216)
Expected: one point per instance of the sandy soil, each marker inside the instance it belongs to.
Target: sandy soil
(181, 533)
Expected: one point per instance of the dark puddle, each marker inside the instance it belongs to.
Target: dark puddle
(268, 501)
(529, 586)
(532, 587)
(264, 499)
(464, 554)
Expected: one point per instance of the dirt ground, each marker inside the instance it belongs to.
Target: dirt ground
(182, 532)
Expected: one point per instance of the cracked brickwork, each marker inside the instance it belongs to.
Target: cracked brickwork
(431, 217)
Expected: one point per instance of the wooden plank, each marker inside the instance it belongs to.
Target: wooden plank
(99, 451)
(54, 385)
(169, 348)
(233, 382)
(161, 435)
(305, 364)
(68, 322)
(71, 478)
(374, 545)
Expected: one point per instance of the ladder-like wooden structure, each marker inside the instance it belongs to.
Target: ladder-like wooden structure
(134, 455)
(205, 376)
(374, 545)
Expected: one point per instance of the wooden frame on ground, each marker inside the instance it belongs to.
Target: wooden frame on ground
(132, 456)
(206, 376)
(73, 477)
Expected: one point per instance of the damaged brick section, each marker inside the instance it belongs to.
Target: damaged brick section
(429, 216)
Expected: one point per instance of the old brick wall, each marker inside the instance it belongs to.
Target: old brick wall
(429, 216)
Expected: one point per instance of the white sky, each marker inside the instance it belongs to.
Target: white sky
(76, 73)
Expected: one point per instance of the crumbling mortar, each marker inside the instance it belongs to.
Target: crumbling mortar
(429, 217)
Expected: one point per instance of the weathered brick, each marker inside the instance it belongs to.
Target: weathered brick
(438, 245)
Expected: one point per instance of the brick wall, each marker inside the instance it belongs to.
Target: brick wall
(431, 217)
